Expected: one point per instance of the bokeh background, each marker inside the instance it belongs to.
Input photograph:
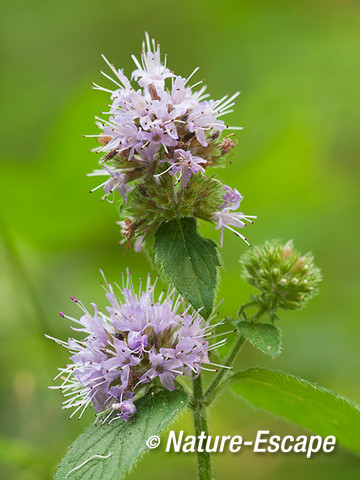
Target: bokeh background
(297, 66)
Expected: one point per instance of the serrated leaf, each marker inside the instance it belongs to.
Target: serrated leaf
(304, 403)
(263, 336)
(121, 442)
(189, 260)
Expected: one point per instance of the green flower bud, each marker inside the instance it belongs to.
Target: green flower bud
(156, 200)
(286, 279)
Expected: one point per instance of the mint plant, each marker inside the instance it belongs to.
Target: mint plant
(139, 362)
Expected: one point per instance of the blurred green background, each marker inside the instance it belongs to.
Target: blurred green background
(297, 66)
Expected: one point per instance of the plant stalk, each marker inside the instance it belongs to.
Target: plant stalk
(200, 425)
(221, 378)
(216, 385)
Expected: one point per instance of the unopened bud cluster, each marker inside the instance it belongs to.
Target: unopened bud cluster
(158, 141)
(286, 279)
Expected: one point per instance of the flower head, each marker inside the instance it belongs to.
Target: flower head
(138, 338)
(286, 279)
(158, 117)
(159, 126)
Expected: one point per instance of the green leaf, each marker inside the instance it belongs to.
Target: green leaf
(189, 260)
(315, 408)
(263, 336)
(121, 442)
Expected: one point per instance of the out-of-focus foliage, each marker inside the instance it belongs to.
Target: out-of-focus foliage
(296, 164)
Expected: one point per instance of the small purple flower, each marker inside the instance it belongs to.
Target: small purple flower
(139, 243)
(227, 218)
(232, 198)
(203, 119)
(126, 409)
(157, 136)
(138, 339)
(151, 71)
(186, 164)
(167, 369)
(117, 181)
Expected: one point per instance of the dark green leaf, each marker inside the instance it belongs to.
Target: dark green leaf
(315, 408)
(263, 336)
(189, 260)
(125, 441)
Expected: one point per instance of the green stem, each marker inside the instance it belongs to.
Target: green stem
(217, 384)
(258, 314)
(220, 380)
(200, 425)
(245, 306)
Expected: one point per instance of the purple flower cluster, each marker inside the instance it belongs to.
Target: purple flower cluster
(153, 118)
(158, 127)
(138, 339)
